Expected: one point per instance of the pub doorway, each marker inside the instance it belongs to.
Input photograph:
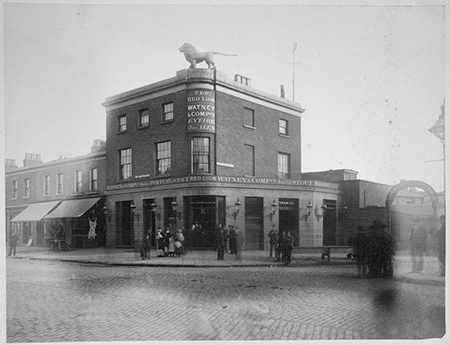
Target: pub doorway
(149, 219)
(203, 215)
(254, 223)
(124, 224)
(329, 222)
(289, 218)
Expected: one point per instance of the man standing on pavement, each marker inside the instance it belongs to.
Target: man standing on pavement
(360, 248)
(273, 236)
(13, 238)
(288, 244)
(220, 243)
(239, 243)
(418, 247)
(441, 246)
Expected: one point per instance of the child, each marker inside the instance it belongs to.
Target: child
(160, 243)
(171, 249)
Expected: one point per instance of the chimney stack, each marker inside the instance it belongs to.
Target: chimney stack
(282, 93)
(98, 145)
(10, 164)
(32, 159)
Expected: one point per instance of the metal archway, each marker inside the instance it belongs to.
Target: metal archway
(407, 184)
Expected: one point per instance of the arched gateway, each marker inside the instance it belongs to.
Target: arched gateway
(407, 184)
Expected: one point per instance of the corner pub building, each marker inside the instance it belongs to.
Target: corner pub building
(201, 148)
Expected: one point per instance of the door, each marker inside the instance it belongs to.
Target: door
(329, 223)
(289, 218)
(149, 219)
(124, 224)
(254, 222)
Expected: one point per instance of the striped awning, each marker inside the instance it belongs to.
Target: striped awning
(72, 208)
(35, 212)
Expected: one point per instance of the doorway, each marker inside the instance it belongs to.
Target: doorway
(329, 223)
(254, 223)
(289, 218)
(124, 224)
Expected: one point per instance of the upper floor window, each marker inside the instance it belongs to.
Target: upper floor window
(200, 155)
(78, 181)
(144, 118)
(93, 181)
(284, 127)
(283, 165)
(47, 185)
(122, 123)
(249, 160)
(163, 158)
(59, 184)
(167, 112)
(249, 117)
(125, 164)
(15, 187)
(27, 188)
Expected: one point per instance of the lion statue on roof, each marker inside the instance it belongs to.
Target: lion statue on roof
(193, 56)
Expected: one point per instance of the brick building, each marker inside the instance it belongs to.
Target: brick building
(202, 148)
(41, 197)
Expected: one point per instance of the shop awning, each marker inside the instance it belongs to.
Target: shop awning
(35, 212)
(72, 208)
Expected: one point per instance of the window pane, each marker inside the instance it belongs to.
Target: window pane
(122, 123)
(283, 165)
(249, 160)
(144, 117)
(249, 117)
(283, 127)
(200, 155)
(125, 164)
(168, 112)
(163, 158)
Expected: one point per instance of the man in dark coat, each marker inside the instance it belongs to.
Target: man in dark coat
(220, 243)
(288, 244)
(273, 239)
(13, 238)
(280, 246)
(441, 246)
(418, 247)
(360, 248)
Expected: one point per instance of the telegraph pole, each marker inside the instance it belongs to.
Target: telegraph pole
(293, 72)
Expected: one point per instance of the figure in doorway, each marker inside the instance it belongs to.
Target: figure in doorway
(92, 225)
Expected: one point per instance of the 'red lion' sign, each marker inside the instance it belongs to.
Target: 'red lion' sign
(201, 111)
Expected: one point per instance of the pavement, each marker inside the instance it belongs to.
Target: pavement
(206, 258)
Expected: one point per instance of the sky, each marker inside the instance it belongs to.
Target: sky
(370, 78)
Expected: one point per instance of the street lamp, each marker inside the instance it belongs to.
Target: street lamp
(438, 129)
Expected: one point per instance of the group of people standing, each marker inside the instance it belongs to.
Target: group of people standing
(229, 241)
(168, 244)
(373, 250)
(281, 244)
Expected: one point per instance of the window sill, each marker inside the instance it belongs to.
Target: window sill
(249, 127)
(284, 135)
(121, 132)
(143, 126)
(166, 122)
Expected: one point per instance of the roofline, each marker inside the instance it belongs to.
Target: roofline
(179, 83)
(69, 160)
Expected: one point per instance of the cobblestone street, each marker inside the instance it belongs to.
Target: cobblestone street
(60, 301)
